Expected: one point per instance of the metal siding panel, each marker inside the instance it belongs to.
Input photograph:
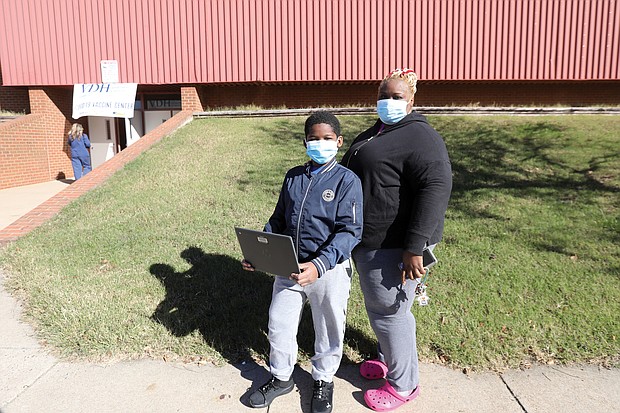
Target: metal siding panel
(127, 40)
(600, 65)
(59, 39)
(589, 38)
(247, 42)
(181, 42)
(260, 42)
(491, 34)
(326, 46)
(167, 65)
(524, 31)
(372, 41)
(444, 44)
(505, 15)
(352, 37)
(11, 52)
(188, 41)
(614, 45)
(188, 52)
(313, 43)
(270, 24)
(469, 41)
(595, 63)
(539, 45)
(461, 61)
(38, 57)
(479, 45)
(25, 71)
(395, 23)
(421, 38)
(298, 40)
(232, 41)
(210, 45)
(552, 36)
(537, 40)
(581, 37)
(220, 46)
(323, 47)
(454, 54)
(282, 40)
(561, 45)
(303, 39)
(199, 41)
(345, 51)
(153, 52)
(409, 36)
(573, 43)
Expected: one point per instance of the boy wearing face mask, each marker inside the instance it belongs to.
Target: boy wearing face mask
(320, 207)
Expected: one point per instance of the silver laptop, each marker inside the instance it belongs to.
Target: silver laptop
(267, 252)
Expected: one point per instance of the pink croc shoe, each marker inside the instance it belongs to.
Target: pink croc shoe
(385, 399)
(373, 369)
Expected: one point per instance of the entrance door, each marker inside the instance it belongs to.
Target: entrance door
(102, 134)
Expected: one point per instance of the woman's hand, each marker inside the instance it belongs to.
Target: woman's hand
(307, 276)
(247, 266)
(413, 266)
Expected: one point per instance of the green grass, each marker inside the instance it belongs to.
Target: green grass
(148, 264)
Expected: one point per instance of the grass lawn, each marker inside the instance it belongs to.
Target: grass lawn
(148, 264)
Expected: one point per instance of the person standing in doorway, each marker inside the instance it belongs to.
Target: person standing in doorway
(406, 177)
(80, 156)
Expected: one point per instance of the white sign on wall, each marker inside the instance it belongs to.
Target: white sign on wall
(109, 71)
(104, 99)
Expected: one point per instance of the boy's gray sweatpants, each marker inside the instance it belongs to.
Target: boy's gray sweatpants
(388, 304)
(328, 297)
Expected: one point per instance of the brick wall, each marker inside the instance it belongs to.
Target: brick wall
(190, 99)
(33, 148)
(429, 94)
(13, 99)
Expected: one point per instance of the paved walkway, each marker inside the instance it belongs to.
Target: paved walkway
(33, 380)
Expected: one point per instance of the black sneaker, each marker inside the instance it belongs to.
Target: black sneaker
(322, 397)
(269, 391)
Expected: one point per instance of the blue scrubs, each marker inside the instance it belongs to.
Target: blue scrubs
(80, 157)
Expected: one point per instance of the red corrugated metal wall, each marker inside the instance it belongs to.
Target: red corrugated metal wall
(61, 42)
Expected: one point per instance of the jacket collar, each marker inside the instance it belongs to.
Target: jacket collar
(326, 168)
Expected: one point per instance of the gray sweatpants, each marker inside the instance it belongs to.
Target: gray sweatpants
(388, 304)
(328, 297)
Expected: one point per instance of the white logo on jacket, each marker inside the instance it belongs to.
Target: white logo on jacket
(328, 195)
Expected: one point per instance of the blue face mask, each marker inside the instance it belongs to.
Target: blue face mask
(321, 151)
(391, 111)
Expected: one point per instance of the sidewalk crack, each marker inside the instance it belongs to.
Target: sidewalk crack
(513, 394)
(28, 386)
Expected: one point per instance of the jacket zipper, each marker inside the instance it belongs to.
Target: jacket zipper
(362, 145)
(301, 209)
(354, 216)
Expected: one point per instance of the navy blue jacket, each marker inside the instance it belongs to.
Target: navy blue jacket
(322, 212)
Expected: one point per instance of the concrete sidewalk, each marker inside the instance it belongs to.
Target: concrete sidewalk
(33, 380)
(16, 202)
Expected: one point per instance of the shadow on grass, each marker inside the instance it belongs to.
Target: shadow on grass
(227, 305)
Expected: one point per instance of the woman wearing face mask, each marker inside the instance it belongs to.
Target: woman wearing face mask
(406, 181)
